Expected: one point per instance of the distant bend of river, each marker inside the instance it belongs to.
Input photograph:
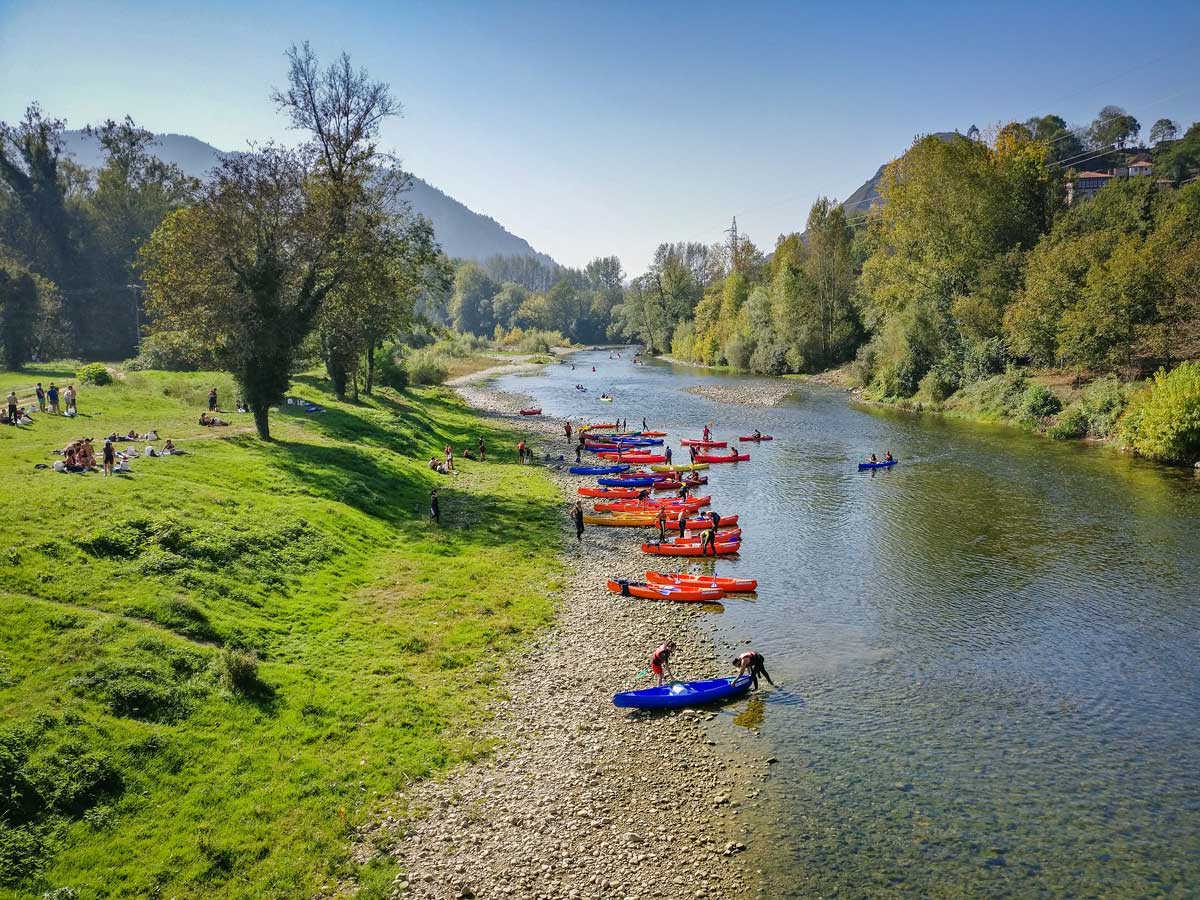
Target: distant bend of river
(988, 656)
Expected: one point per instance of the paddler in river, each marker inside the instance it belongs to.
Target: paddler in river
(887, 456)
(708, 432)
(577, 518)
(684, 487)
(757, 435)
(752, 663)
(872, 459)
(660, 660)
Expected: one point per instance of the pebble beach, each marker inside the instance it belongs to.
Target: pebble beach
(581, 799)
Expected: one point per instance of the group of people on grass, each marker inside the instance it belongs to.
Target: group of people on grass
(445, 465)
(79, 455)
(48, 400)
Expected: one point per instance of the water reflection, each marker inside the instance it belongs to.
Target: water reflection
(986, 655)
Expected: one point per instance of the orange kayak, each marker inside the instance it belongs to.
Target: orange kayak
(672, 549)
(722, 536)
(685, 579)
(681, 594)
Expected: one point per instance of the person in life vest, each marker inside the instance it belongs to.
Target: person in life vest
(708, 432)
(660, 661)
(752, 663)
(662, 523)
(708, 538)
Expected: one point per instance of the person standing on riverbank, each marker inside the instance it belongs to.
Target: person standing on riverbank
(40, 393)
(752, 663)
(577, 518)
(660, 661)
(52, 398)
(662, 523)
(567, 429)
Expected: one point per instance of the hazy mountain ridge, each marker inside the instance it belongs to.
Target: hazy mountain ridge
(867, 197)
(461, 231)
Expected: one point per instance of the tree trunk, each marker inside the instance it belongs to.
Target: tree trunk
(339, 376)
(260, 420)
(370, 370)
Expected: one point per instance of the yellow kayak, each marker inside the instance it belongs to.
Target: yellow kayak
(682, 467)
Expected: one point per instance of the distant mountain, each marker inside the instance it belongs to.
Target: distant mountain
(462, 232)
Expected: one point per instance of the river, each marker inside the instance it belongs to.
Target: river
(989, 683)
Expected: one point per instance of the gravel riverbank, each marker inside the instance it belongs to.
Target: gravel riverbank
(756, 393)
(582, 800)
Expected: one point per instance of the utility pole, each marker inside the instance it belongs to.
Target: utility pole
(733, 244)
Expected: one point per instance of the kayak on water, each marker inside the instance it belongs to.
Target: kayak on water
(535, 411)
(729, 585)
(657, 548)
(877, 465)
(664, 591)
(611, 493)
(606, 399)
(598, 426)
(599, 470)
(626, 482)
(642, 473)
(681, 467)
(750, 437)
(714, 458)
(684, 693)
(674, 484)
(696, 442)
(724, 536)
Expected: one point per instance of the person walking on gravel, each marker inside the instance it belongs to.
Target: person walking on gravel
(567, 429)
(577, 518)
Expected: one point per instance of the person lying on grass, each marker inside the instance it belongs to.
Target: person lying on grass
(207, 420)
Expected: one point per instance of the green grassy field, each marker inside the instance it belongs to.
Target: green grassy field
(139, 755)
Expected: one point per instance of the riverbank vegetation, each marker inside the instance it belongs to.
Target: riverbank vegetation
(970, 276)
(215, 667)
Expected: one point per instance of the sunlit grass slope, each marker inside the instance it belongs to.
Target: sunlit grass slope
(138, 756)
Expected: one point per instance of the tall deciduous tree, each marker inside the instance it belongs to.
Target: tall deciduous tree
(18, 317)
(1163, 130)
(1113, 127)
(247, 268)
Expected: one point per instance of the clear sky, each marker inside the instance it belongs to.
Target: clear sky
(607, 127)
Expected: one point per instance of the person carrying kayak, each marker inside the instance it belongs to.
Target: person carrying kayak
(577, 518)
(752, 663)
(660, 660)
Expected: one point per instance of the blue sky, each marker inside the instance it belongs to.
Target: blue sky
(601, 128)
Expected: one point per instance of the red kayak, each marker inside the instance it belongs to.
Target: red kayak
(696, 442)
(711, 458)
(672, 549)
(679, 593)
(653, 506)
(535, 411)
(613, 493)
(761, 437)
(684, 579)
(633, 457)
(666, 485)
(723, 535)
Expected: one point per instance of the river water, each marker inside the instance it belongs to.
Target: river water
(987, 656)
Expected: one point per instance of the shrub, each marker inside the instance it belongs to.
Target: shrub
(1073, 423)
(238, 671)
(1103, 402)
(94, 373)
(1163, 421)
(1039, 403)
(426, 367)
(391, 371)
(539, 341)
(937, 385)
(984, 359)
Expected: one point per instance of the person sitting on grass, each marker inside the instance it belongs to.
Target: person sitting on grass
(169, 449)
(209, 421)
(467, 454)
(87, 455)
(752, 663)
(660, 661)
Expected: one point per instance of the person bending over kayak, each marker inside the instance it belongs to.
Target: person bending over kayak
(716, 520)
(577, 518)
(660, 661)
(643, 494)
(684, 487)
(752, 663)
(708, 539)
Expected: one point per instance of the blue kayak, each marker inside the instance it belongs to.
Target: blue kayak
(627, 482)
(599, 470)
(877, 465)
(683, 693)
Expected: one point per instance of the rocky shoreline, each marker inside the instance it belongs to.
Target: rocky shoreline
(582, 800)
(757, 393)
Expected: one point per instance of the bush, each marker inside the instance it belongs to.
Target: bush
(391, 371)
(1073, 423)
(1039, 403)
(1103, 402)
(937, 385)
(238, 671)
(94, 373)
(539, 341)
(426, 367)
(984, 359)
(1163, 421)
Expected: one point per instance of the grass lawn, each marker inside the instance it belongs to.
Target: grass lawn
(139, 755)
